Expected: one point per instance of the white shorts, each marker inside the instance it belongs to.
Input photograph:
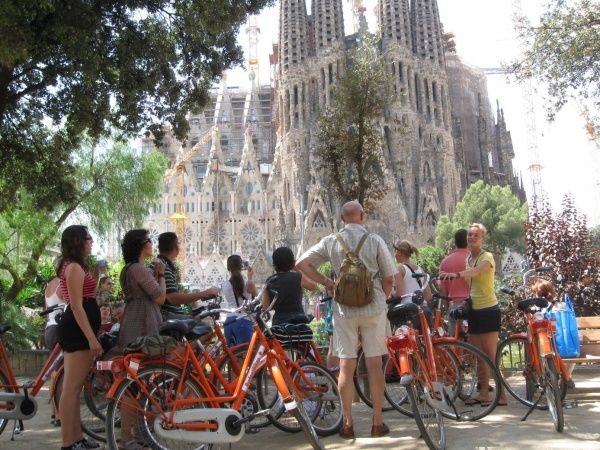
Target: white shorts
(370, 331)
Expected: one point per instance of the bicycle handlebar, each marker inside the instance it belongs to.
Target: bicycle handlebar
(52, 309)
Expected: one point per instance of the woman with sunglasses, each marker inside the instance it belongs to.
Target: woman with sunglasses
(143, 290)
(77, 330)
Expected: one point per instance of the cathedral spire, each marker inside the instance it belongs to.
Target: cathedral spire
(329, 23)
(248, 162)
(293, 24)
(427, 31)
(394, 19)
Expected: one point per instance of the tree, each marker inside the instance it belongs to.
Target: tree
(563, 51)
(350, 139)
(497, 208)
(562, 241)
(93, 66)
(430, 258)
(113, 188)
(595, 236)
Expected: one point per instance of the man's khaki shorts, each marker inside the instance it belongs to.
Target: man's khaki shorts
(370, 331)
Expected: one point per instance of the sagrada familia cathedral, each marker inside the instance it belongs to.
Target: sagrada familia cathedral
(251, 181)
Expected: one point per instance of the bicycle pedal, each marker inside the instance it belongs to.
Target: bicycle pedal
(570, 403)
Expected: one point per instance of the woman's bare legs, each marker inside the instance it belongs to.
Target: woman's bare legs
(77, 365)
(488, 344)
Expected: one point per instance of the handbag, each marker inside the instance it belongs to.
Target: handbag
(156, 345)
(567, 336)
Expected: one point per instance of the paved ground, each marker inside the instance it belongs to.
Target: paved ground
(500, 430)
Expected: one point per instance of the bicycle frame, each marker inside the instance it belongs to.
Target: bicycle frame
(53, 362)
(541, 343)
(261, 352)
(407, 347)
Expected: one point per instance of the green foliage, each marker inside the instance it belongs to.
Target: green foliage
(320, 337)
(561, 240)
(90, 66)
(430, 258)
(493, 206)
(512, 319)
(563, 52)
(349, 138)
(114, 186)
(595, 236)
(25, 330)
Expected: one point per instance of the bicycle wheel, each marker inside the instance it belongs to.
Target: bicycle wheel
(517, 372)
(459, 366)
(5, 406)
(361, 381)
(301, 416)
(395, 393)
(229, 374)
(429, 420)
(92, 406)
(286, 386)
(132, 416)
(552, 393)
(320, 398)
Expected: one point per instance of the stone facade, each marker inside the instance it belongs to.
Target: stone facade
(255, 185)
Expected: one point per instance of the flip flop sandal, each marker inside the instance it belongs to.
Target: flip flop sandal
(476, 401)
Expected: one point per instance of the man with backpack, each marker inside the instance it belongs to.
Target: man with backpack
(365, 274)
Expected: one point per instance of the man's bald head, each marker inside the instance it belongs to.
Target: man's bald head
(352, 212)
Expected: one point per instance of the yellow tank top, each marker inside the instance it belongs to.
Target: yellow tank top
(482, 286)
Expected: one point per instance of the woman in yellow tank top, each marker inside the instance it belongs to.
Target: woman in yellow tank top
(485, 315)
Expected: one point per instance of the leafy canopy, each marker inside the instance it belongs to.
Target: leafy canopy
(562, 241)
(113, 188)
(563, 50)
(497, 208)
(350, 138)
(90, 66)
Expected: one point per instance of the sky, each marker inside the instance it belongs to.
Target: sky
(485, 37)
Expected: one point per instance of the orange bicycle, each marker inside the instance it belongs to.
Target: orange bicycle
(531, 368)
(460, 367)
(411, 352)
(18, 401)
(169, 402)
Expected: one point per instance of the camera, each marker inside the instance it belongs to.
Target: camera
(245, 264)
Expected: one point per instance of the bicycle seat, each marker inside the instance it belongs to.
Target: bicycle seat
(400, 314)
(301, 318)
(186, 327)
(170, 308)
(540, 302)
(4, 327)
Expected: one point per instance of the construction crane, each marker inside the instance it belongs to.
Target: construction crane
(535, 168)
(177, 172)
(358, 10)
(253, 31)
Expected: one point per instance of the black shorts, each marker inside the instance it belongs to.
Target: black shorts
(50, 336)
(485, 320)
(70, 336)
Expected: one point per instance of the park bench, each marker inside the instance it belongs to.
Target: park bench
(589, 339)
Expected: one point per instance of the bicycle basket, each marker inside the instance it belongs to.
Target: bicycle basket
(289, 334)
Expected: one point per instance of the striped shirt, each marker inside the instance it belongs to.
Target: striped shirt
(89, 284)
(171, 281)
(374, 254)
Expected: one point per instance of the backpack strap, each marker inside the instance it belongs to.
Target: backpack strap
(361, 242)
(345, 247)
(419, 282)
